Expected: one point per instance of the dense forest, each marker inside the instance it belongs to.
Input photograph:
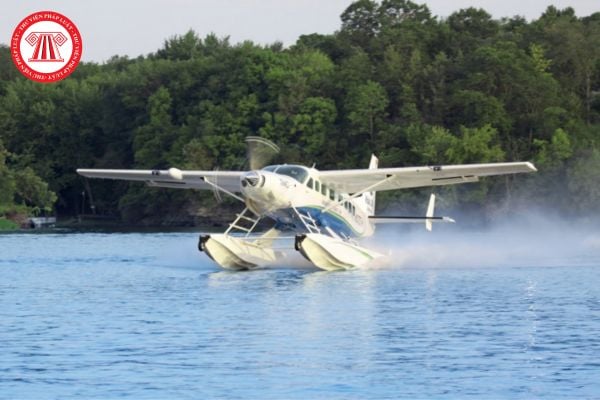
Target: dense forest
(394, 80)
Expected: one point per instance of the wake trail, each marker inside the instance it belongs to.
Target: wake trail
(531, 241)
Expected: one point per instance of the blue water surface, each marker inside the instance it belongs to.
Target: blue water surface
(99, 316)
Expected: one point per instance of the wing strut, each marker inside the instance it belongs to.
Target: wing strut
(360, 192)
(217, 187)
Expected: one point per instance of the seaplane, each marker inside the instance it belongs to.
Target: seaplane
(324, 214)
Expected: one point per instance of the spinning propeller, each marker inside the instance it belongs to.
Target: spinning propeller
(259, 152)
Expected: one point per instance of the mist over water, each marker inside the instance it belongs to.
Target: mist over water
(529, 239)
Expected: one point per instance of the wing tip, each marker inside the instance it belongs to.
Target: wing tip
(531, 167)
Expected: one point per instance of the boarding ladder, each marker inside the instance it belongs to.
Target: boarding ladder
(308, 221)
(245, 222)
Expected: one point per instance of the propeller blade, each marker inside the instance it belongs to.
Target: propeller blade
(260, 151)
(217, 192)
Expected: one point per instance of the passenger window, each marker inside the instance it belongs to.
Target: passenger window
(332, 194)
(310, 183)
(317, 186)
(324, 190)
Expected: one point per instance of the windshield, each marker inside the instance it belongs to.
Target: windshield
(298, 173)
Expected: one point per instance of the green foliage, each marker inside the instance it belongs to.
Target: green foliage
(431, 144)
(21, 186)
(473, 24)
(555, 152)
(366, 106)
(300, 75)
(32, 191)
(541, 62)
(394, 80)
(437, 145)
(314, 123)
(360, 22)
(584, 179)
(7, 225)
(7, 181)
(478, 145)
(473, 108)
(153, 139)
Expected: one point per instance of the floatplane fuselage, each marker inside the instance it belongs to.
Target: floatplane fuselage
(323, 213)
(325, 222)
(284, 192)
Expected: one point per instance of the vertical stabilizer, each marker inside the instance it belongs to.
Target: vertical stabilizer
(368, 198)
(430, 211)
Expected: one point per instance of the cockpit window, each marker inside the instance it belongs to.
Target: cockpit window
(298, 173)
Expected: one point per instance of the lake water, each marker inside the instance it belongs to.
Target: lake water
(92, 315)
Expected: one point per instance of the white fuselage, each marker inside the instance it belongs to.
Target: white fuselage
(282, 192)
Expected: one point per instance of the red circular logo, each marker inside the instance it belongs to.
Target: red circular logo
(46, 46)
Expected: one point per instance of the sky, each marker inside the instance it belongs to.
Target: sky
(132, 28)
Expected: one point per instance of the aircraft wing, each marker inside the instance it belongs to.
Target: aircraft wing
(171, 178)
(355, 180)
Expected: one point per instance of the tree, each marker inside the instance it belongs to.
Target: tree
(477, 145)
(366, 105)
(584, 183)
(395, 12)
(181, 47)
(573, 49)
(7, 181)
(432, 144)
(554, 153)
(23, 187)
(360, 22)
(154, 138)
(32, 191)
(394, 80)
(470, 28)
(314, 124)
(298, 76)
(354, 70)
(437, 145)
(473, 108)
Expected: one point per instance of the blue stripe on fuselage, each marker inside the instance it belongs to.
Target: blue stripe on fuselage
(287, 218)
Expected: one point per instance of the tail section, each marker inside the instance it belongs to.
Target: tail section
(428, 218)
(368, 199)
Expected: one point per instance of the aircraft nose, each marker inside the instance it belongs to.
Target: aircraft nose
(253, 179)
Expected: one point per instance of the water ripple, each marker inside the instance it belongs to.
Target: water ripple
(147, 316)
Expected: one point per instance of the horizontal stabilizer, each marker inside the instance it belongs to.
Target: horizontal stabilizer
(428, 218)
(407, 220)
